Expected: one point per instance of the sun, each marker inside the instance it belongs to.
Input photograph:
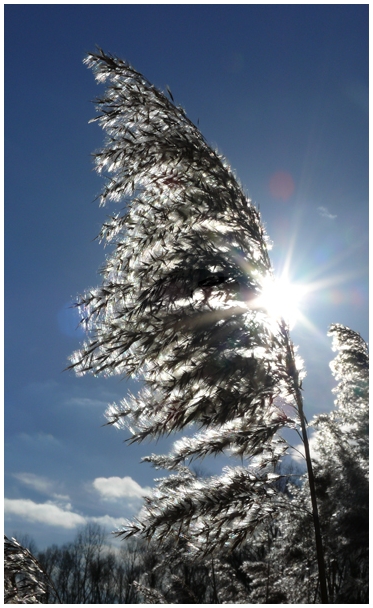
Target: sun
(282, 299)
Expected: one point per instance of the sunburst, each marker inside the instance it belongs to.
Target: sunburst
(281, 298)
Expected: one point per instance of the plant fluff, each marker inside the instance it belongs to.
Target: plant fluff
(179, 307)
(25, 582)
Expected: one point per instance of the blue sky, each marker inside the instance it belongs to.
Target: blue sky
(282, 91)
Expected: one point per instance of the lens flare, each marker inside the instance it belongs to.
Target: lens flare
(281, 185)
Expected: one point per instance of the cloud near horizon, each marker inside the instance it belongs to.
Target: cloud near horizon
(51, 514)
(112, 488)
(46, 513)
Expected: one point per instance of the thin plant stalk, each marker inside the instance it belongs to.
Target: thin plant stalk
(292, 370)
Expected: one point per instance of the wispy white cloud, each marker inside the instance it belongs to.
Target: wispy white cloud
(86, 402)
(40, 439)
(46, 513)
(36, 482)
(61, 497)
(324, 212)
(46, 386)
(40, 484)
(112, 488)
(108, 522)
